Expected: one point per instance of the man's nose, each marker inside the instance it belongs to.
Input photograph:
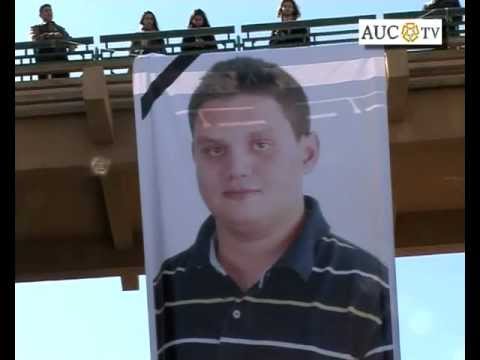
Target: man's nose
(240, 164)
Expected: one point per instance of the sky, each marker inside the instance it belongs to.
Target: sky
(95, 319)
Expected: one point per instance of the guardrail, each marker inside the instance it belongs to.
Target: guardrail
(53, 51)
(165, 42)
(123, 47)
(453, 19)
(80, 48)
(317, 32)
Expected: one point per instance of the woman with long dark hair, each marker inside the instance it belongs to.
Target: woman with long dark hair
(289, 11)
(198, 19)
(148, 23)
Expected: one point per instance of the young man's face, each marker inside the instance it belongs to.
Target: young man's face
(46, 14)
(249, 164)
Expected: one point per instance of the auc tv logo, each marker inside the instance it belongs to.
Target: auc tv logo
(400, 32)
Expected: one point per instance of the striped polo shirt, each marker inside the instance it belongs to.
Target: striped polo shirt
(324, 299)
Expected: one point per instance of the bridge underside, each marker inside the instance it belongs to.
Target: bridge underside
(71, 224)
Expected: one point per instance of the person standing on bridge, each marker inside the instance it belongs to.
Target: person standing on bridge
(289, 11)
(142, 47)
(49, 30)
(198, 20)
(450, 23)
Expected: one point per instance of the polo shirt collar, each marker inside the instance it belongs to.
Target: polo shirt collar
(200, 251)
(299, 256)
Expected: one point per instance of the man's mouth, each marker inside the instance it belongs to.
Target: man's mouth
(238, 194)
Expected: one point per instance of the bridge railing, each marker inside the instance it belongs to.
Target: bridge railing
(164, 42)
(124, 45)
(453, 22)
(116, 52)
(75, 49)
(317, 32)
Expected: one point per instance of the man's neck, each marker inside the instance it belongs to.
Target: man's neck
(247, 252)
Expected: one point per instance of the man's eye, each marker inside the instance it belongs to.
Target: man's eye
(214, 151)
(261, 145)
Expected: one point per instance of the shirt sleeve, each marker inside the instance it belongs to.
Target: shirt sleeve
(65, 34)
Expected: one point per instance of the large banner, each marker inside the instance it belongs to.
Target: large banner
(266, 204)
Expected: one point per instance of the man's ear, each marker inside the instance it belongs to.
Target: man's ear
(310, 151)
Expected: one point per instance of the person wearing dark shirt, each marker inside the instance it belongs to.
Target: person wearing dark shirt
(289, 11)
(142, 47)
(448, 27)
(266, 278)
(205, 42)
(49, 30)
(439, 4)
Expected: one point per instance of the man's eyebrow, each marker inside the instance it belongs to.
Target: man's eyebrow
(262, 132)
(205, 139)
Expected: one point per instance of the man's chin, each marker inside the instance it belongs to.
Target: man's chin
(241, 214)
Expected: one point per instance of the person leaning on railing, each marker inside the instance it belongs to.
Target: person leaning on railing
(205, 42)
(289, 11)
(142, 47)
(49, 30)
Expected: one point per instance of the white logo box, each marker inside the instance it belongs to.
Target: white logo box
(400, 32)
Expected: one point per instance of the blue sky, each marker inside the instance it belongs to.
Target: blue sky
(94, 319)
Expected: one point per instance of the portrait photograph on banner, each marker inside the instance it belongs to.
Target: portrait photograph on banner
(266, 204)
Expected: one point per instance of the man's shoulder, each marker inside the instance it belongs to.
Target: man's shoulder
(40, 26)
(57, 25)
(178, 260)
(60, 27)
(337, 252)
(173, 264)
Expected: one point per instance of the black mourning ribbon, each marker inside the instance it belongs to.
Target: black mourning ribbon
(165, 79)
